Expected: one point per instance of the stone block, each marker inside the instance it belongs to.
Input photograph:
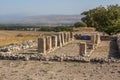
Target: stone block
(48, 43)
(54, 41)
(59, 41)
(98, 38)
(93, 38)
(62, 38)
(65, 37)
(42, 45)
(82, 49)
(71, 36)
(68, 36)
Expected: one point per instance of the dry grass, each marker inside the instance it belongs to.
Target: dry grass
(10, 37)
(84, 29)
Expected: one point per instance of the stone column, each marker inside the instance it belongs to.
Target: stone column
(71, 35)
(59, 41)
(65, 37)
(68, 36)
(98, 38)
(42, 45)
(48, 43)
(54, 41)
(62, 38)
(83, 48)
(67, 40)
(93, 38)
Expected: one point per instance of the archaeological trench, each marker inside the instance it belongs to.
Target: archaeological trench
(53, 47)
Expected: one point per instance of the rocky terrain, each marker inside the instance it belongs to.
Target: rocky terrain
(23, 62)
(37, 70)
(96, 69)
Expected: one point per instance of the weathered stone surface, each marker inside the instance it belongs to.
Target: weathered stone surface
(42, 45)
(54, 41)
(59, 41)
(71, 36)
(62, 38)
(48, 43)
(8, 56)
(91, 46)
(65, 38)
(68, 36)
(93, 38)
(18, 47)
(83, 48)
(98, 38)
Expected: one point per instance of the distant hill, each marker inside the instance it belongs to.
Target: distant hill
(41, 20)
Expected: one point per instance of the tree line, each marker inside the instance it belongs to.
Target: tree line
(21, 27)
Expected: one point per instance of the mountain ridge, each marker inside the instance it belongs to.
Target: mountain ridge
(41, 19)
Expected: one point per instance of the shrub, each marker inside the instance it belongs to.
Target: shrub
(80, 24)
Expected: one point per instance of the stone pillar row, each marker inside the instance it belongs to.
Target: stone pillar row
(50, 43)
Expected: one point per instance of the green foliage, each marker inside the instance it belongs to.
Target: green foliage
(112, 29)
(56, 29)
(80, 24)
(102, 18)
(32, 28)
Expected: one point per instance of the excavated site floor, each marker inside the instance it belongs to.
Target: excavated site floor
(36, 70)
(72, 49)
(44, 70)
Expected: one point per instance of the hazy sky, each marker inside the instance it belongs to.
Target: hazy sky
(50, 7)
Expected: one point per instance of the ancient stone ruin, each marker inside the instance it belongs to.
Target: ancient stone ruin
(48, 44)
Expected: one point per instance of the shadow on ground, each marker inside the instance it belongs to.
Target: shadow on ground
(113, 53)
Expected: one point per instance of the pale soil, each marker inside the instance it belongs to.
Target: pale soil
(71, 49)
(36, 70)
(102, 50)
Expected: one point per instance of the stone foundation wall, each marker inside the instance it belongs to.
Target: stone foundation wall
(39, 57)
(17, 47)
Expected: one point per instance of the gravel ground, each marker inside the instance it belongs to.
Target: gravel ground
(35, 70)
(102, 50)
(39, 70)
(71, 49)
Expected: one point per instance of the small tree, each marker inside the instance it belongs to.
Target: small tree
(80, 24)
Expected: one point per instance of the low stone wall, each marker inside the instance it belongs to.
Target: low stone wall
(17, 47)
(40, 57)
